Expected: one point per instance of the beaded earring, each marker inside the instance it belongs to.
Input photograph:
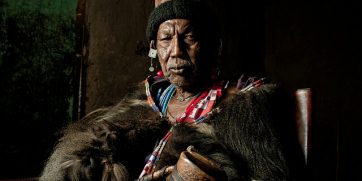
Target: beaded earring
(152, 54)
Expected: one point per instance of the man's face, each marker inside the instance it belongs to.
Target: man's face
(178, 48)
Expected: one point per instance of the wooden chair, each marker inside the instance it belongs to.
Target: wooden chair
(303, 101)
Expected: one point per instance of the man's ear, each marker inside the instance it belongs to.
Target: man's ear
(152, 44)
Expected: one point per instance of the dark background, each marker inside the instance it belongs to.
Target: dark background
(315, 44)
(37, 40)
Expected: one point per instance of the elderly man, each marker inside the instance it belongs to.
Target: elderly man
(204, 128)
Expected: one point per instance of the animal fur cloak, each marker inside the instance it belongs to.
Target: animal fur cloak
(252, 137)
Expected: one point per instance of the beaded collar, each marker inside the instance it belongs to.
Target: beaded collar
(198, 110)
(159, 92)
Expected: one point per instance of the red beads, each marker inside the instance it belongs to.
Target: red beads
(160, 73)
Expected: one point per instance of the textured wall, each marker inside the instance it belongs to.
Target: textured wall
(115, 28)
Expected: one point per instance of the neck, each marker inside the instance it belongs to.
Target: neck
(183, 95)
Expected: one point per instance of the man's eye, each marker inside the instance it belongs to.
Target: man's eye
(189, 37)
(166, 38)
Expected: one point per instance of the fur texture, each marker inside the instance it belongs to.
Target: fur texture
(106, 142)
(246, 138)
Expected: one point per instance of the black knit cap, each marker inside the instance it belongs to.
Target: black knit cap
(196, 11)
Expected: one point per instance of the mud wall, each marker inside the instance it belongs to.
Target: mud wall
(116, 31)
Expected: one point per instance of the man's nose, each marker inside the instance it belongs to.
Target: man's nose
(177, 49)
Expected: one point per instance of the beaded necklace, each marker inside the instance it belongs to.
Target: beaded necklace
(199, 109)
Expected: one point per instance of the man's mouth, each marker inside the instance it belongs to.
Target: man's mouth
(179, 70)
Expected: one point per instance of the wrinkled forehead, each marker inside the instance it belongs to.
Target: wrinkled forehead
(179, 25)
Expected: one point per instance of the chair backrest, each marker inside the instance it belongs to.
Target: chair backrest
(303, 100)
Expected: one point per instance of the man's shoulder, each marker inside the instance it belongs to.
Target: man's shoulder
(256, 91)
(251, 85)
